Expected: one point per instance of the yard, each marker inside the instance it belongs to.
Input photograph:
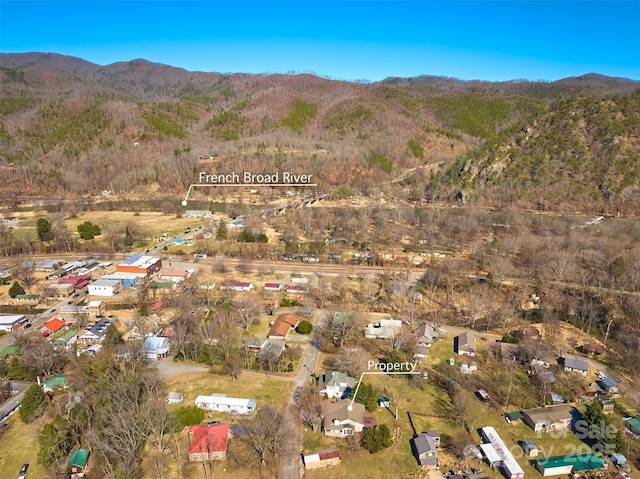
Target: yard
(18, 446)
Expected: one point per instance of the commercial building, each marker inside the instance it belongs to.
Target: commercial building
(141, 265)
(105, 287)
(11, 322)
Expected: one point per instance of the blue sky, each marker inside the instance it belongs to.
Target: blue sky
(360, 40)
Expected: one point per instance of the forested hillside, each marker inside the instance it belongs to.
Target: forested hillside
(70, 127)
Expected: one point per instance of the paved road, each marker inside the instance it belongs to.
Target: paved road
(293, 469)
(14, 401)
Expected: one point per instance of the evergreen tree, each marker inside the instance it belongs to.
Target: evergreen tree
(43, 227)
(367, 397)
(15, 289)
(304, 327)
(55, 441)
(18, 371)
(222, 232)
(112, 336)
(377, 438)
(34, 403)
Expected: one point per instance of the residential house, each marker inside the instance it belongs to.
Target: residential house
(508, 464)
(174, 276)
(339, 420)
(272, 287)
(565, 465)
(10, 350)
(385, 329)
(282, 325)
(77, 464)
(296, 289)
(208, 442)
(222, 403)
(548, 419)
(255, 344)
(96, 332)
(57, 382)
(434, 435)
(608, 385)
(271, 350)
(336, 385)
(174, 398)
(66, 341)
(575, 364)
(633, 426)
(465, 344)
(238, 286)
(155, 347)
(426, 335)
(321, 459)
(424, 450)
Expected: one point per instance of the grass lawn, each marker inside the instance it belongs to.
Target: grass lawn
(18, 446)
(263, 390)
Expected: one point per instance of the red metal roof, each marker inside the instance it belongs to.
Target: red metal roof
(329, 454)
(208, 438)
(54, 325)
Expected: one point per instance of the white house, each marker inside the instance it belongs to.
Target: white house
(238, 286)
(222, 403)
(385, 329)
(104, 287)
(95, 332)
(155, 347)
(336, 384)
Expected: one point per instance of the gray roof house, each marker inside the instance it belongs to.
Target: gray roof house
(424, 450)
(426, 335)
(465, 344)
(339, 421)
(575, 364)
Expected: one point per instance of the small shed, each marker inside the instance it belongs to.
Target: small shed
(530, 449)
(174, 398)
(618, 459)
(384, 401)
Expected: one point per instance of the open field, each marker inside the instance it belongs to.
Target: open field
(263, 390)
(18, 446)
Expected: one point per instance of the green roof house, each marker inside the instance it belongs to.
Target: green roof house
(54, 383)
(78, 463)
(11, 350)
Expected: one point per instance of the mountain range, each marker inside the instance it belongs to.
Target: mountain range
(69, 127)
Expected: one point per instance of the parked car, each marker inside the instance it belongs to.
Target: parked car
(23, 471)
